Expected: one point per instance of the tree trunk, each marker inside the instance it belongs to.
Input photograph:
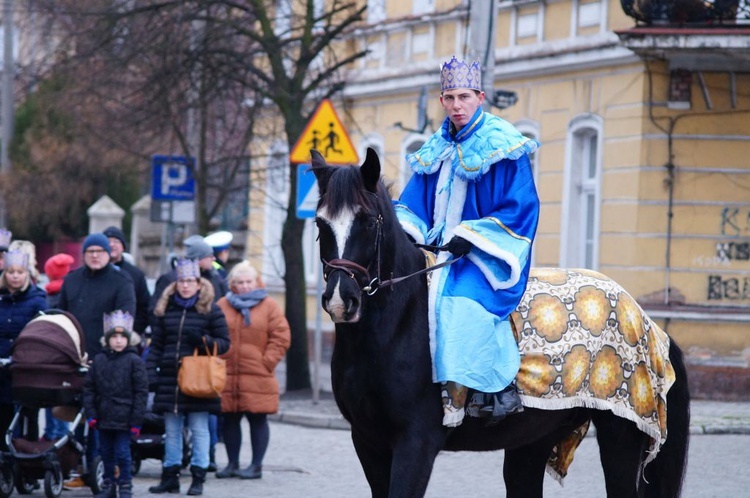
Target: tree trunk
(298, 361)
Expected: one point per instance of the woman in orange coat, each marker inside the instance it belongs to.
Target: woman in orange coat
(260, 336)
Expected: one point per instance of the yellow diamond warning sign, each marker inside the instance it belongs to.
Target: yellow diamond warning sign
(325, 133)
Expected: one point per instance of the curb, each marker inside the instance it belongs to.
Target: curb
(339, 423)
(311, 420)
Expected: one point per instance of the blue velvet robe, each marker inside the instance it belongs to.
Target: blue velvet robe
(477, 185)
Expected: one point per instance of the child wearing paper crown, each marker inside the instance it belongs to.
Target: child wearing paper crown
(114, 396)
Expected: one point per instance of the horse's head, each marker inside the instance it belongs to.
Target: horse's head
(350, 222)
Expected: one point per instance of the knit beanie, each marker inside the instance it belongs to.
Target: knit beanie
(117, 234)
(196, 248)
(96, 239)
(58, 266)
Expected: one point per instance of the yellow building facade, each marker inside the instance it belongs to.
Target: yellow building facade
(644, 169)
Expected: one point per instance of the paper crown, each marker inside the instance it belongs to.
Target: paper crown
(458, 74)
(187, 268)
(17, 258)
(118, 319)
(5, 237)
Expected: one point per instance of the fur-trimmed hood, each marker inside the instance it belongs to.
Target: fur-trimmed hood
(203, 306)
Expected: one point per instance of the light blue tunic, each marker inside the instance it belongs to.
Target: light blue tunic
(477, 185)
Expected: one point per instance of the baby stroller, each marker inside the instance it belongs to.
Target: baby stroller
(48, 366)
(150, 443)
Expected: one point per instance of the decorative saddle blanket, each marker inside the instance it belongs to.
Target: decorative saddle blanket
(585, 342)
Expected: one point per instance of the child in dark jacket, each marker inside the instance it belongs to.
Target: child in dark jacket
(114, 396)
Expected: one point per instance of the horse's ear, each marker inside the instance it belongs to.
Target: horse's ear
(370, 170)
(320, 169)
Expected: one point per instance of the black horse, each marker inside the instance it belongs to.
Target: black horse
(381, 365)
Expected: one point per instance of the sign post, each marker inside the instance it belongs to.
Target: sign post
(324, 133)
(172, 196)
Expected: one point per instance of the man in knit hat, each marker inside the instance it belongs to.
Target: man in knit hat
(118, 246)
(96, 288)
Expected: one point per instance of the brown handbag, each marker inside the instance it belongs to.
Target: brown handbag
(202, 376)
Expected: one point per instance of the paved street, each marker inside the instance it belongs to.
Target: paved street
(321, 463)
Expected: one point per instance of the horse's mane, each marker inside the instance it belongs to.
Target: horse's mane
(346, 191)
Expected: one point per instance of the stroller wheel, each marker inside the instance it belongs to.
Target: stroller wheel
(24, 485)
(7, 481)
(95, 477)
(53, 483)
(135, 466)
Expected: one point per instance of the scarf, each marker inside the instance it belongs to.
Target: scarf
(186, 303)
(244, 302)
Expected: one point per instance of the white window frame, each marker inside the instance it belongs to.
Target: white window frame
(408, 145)
(530, 128)
(514, 20)
(581, 210)
(575, 17)
(376, 11)
(277, 197)
(423, 7)
(377, 142)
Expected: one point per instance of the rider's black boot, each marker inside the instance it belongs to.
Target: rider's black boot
(504, 403)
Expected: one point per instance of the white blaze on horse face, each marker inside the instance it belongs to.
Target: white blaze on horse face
(341, 226)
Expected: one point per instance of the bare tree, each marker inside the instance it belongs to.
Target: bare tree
(180, 74)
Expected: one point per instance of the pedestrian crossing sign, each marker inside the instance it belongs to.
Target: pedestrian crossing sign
(325, 133)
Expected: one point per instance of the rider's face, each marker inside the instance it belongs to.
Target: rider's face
(460, 104)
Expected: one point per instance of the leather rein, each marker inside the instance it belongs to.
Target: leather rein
(372, 285)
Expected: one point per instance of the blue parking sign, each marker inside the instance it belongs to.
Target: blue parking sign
(172, 178)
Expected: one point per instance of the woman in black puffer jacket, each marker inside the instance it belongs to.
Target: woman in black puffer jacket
(184, 316)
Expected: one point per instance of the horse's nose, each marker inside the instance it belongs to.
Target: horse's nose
(341, 302)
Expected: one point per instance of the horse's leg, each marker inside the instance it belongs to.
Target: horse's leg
(413, 458)
(376, 463)
(524, 467)
(621, 450)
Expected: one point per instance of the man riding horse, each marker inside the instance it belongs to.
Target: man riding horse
(473, 191)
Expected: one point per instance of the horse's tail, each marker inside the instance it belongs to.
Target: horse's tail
(664, 475)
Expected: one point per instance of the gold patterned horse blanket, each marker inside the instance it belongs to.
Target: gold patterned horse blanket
(585, 342)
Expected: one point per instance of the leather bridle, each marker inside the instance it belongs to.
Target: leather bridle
(372, 285)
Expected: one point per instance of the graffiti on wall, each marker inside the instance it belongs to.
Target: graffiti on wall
(734, 222)
(731, 288)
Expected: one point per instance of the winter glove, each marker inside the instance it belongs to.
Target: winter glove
(135, 432)
(194, 337)
(92, 423)
(458, 246)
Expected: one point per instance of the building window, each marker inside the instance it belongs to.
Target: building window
(589, 14)
(530, 129)
(680, 83)
(527, 25)
(423, 6)
(375, 142)
(410, 145)
(582, 194)
(376, 11)
(277, 197)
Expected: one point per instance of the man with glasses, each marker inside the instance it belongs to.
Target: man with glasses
(96, 288)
